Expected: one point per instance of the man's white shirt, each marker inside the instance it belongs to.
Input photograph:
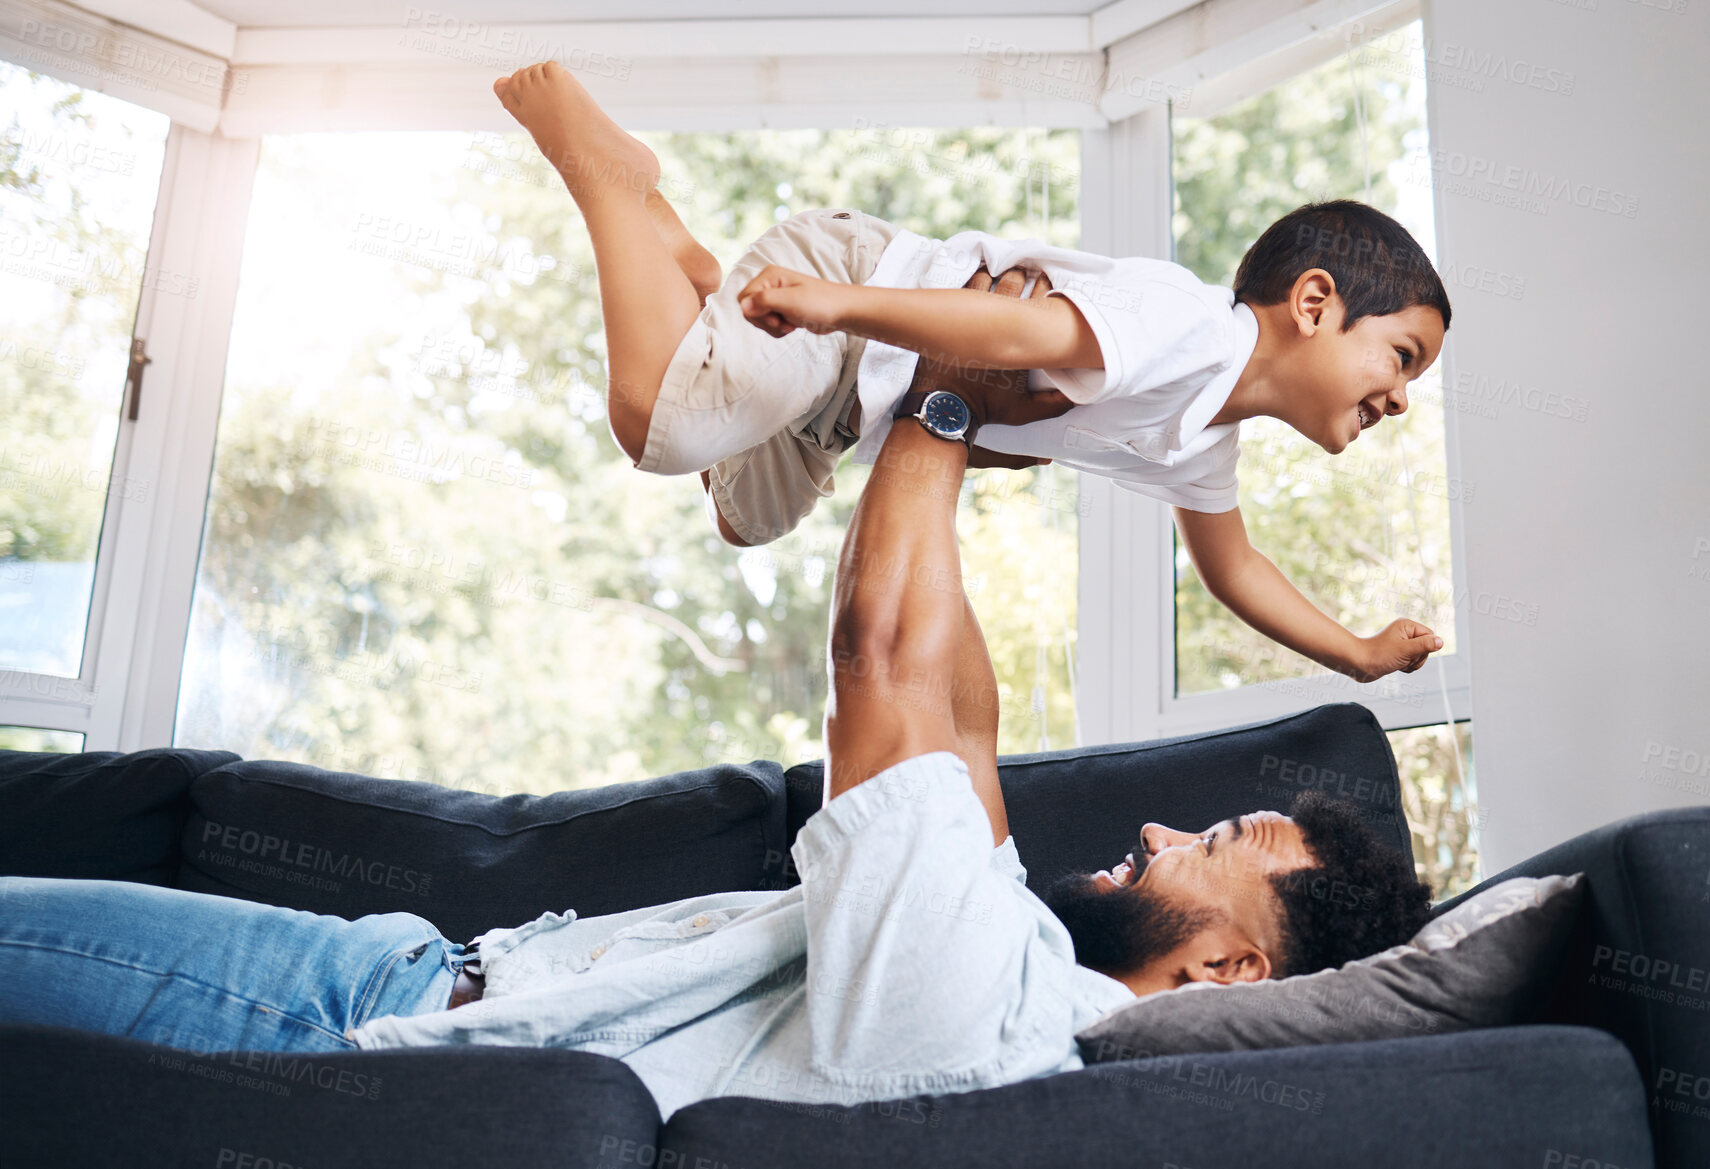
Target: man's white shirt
(911, 959)
(1173, 348)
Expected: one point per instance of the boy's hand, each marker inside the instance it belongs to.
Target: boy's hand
(1402, 645)
(780, 301)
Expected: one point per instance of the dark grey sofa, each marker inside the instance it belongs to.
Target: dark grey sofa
(1615, 1065)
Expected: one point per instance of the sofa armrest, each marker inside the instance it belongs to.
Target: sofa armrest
(98, 815)
(1639, 962)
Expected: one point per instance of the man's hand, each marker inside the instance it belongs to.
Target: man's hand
(980, 457)
(1402, 645)
(995, 395)
(780, 301)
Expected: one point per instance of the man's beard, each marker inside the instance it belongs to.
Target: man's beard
(1120, 931)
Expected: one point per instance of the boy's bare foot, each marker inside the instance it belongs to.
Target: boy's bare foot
(592, 153)
(696, 262)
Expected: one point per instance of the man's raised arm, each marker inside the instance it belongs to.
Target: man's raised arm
(896, 612)
(905, 651)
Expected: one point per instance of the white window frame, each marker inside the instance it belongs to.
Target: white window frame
(127, 688)
(126, 694)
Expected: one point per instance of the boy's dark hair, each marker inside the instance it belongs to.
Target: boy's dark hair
(1359, 899)
(1379, 268)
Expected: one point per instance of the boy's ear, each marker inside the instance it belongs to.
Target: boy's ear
(1311, 299)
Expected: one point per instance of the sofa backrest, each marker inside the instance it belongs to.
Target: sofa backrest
(347, 844)
(333, 842)
(1080, 810)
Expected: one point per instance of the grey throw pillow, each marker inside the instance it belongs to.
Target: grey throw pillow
(1484, 963)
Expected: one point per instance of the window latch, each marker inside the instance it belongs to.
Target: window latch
(133, 376)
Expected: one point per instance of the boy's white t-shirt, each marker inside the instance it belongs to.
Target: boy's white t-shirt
(1173, 349)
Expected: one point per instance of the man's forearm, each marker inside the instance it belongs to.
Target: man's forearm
(1264, 598)
(964, 327)
(897, 604)
(975, 707)
(899, 575)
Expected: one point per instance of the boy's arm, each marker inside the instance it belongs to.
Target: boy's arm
(948, 324)
(1255, 590)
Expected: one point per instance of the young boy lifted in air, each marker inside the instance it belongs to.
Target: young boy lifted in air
(1142, 372)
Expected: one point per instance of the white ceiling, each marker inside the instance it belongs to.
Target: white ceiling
(389, 13)
(348, 65)
(269, 31)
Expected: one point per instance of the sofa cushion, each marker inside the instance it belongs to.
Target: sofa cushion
(100, 815)
(1487, 964)
(331, 842)
(97, 1101)
(1504, 1096)
(1079, 810)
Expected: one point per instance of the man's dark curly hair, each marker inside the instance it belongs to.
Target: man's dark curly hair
(1378, 266)
(1359, 899)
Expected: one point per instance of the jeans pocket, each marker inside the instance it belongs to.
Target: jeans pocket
(414, 982)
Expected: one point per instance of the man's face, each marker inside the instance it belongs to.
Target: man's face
(1184, 906)
(1352, 380)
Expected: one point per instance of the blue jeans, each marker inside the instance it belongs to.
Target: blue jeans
(209, 973)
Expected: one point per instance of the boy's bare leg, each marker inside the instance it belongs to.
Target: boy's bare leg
(697, 263)
(647, 300)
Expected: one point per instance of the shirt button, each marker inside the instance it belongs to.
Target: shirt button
(598, 950)
(701, 920)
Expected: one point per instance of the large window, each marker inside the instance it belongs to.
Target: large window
(79, 173)
(425, 556)
(1440, 811)
(37, 739)
(1365, 534)
(1340, 527)
(422, 554)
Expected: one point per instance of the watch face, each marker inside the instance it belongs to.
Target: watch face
(946, 414)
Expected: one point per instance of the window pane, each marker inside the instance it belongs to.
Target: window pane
(36, 739)
(1020, 559)
(1441, 809)
(79, 172)
(1364, 535)
(426, 558)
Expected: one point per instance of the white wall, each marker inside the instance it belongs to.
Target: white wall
(1587, 542)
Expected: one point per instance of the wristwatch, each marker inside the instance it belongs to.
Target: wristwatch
(941, 412)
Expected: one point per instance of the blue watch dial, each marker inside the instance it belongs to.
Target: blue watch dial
(946, 414)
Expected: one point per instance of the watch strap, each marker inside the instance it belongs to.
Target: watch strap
(909, 404)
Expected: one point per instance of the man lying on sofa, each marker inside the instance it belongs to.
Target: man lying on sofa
(910, 959)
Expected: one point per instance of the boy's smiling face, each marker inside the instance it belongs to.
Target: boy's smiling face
(1344, 383)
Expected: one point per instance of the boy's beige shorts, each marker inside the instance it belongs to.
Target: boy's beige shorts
(767, 417)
